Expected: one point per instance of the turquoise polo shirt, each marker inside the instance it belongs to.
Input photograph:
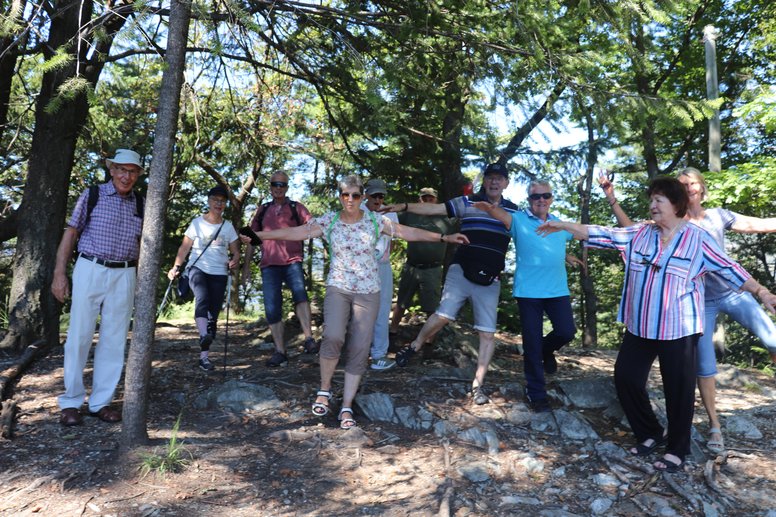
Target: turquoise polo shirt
(540, 271)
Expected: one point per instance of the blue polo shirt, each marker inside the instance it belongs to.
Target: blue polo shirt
(540, 271)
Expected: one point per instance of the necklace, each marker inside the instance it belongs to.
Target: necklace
(665, 239)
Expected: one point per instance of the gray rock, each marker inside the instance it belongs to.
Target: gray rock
(600, 506)
(590, 393)
(408, 417)
(476, 473)
(239, 396)
(519, 414)
(474, 436)
(610, 449)
(519, 499)
(573, 426)
(709, 510)
(376, 406)
(742, 426)
(444, 428)
(426, 418)
(559, 472)
(556, 512)
(544, 423)
(606, 480)
(530, 465)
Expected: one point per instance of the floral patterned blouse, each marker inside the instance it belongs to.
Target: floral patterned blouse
(352, 246)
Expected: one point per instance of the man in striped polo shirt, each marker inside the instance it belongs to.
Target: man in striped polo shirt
(474, 272)
(108, 237)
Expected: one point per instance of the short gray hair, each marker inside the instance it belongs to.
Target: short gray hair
(280, 173)
(351, 181)
(539, 183)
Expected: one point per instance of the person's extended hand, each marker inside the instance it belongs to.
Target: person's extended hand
(234, 262)
(60, 288)
(574, 261)
(607, 186)
(173, 272)
(245, 239)
(456, 238)
(549, 227)
(769, 301)
(399, 207)
(485, 206)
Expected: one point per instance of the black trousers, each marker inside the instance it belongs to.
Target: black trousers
(678, 371)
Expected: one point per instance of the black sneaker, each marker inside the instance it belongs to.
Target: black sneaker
(311, 346)
(550, 363)
(205, 364)
(277, 359)
(541, 405)
(478, 396)
(403, 356)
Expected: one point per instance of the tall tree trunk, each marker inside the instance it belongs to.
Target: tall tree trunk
(9, 53)
(33, 312)
(589, 304)
(138, 372)
(450, 164)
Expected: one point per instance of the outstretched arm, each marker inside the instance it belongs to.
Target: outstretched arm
(746, 224)
(608, 187)
(408, 233)
(767, 298)
(416, 208)
(579, 231)
(292, 233)
(494, 211)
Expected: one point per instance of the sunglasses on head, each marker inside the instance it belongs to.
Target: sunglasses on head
(280, 184)
(536, 197)
(377, 196)
(352, 195)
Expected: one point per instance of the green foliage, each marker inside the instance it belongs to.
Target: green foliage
(171, 459)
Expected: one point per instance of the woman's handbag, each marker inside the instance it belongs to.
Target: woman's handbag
(183, 289)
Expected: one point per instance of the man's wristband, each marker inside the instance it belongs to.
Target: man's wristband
(442, 238)
(612, 202)
(406, 207)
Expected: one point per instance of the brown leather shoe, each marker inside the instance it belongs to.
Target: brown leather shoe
(70, 417)
(107, 414)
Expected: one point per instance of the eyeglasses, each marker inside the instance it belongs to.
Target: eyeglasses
(537, 197)
(125, 171)
(217, 201)
(377, 196)
(278, 184)
(352, 195)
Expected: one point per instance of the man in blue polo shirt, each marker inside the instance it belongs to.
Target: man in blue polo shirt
(540, 286)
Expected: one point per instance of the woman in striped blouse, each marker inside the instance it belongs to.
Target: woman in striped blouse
(662, 309)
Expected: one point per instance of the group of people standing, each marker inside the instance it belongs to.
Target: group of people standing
(677, 278)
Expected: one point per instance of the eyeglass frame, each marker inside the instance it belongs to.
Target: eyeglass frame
(355, 196)
(278, 184)
(537, 196)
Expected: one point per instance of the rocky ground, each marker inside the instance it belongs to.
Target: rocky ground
(421, 448)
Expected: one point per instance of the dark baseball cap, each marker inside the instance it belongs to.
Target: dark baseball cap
(496, 168)
(218, 190)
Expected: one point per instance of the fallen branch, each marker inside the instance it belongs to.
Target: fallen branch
(6, 419)
(669, 479)
(13, 372)
(444, 506)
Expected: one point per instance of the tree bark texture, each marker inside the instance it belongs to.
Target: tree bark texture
(33, 311)
(589, 298)
(138, 371)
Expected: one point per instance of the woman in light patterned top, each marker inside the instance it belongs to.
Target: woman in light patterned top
(352, 286)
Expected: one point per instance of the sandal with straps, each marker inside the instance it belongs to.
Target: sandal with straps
(346, 423)
(321, 408)
(714, 445)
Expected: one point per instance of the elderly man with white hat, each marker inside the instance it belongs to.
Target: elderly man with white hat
(105, 225)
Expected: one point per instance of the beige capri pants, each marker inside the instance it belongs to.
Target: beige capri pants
(351, 315)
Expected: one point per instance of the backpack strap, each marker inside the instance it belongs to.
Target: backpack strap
(336, 218)
(265, 206)
(94, 196)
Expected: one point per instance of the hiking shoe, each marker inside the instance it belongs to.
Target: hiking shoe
(205, 341)
(403, 356)
(383, 363)
(540, 405)
(478, 396)
(550, 363)
(311, 346)
(205, 364)
(277, 359)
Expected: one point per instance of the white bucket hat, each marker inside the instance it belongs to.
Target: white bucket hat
(125, 156)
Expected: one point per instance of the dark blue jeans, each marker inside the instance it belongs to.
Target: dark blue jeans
(532, 311)
(272, 278)
(209, 292)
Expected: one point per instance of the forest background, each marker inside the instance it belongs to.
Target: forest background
(416, 93)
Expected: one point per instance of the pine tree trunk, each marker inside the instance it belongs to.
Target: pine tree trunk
(138, 371)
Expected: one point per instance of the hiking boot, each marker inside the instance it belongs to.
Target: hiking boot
(550, 363)
(205, 364)
(538, 405)
(311, 346)
(403, 356)
(478, 396)
(277, 359)
(383, 363)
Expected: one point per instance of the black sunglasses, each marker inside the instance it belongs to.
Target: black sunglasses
(536, 197)
(377, 196)
(281, 184)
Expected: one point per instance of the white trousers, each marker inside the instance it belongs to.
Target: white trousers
(380, 339)
(108, 293)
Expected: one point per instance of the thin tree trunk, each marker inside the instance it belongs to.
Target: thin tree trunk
(138, 372)
(589, 305)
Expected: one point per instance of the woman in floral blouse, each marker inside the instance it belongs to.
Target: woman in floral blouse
(352, 286)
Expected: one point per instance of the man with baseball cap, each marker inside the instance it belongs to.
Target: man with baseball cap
(422, 273)
(376, 190)
(105, 225)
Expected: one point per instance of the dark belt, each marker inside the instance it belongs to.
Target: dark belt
(427, 266)
(109, 263)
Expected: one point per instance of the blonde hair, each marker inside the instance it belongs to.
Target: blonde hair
(695, 174)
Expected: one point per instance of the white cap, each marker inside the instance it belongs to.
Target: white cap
(125, 156)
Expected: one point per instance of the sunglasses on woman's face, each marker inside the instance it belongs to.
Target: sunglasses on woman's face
(537, 197)
(279, 184)
(352, 195)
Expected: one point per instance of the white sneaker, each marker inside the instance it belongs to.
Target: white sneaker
(383, 363)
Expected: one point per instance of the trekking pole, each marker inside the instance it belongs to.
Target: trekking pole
(164, 300)
(228, 304)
